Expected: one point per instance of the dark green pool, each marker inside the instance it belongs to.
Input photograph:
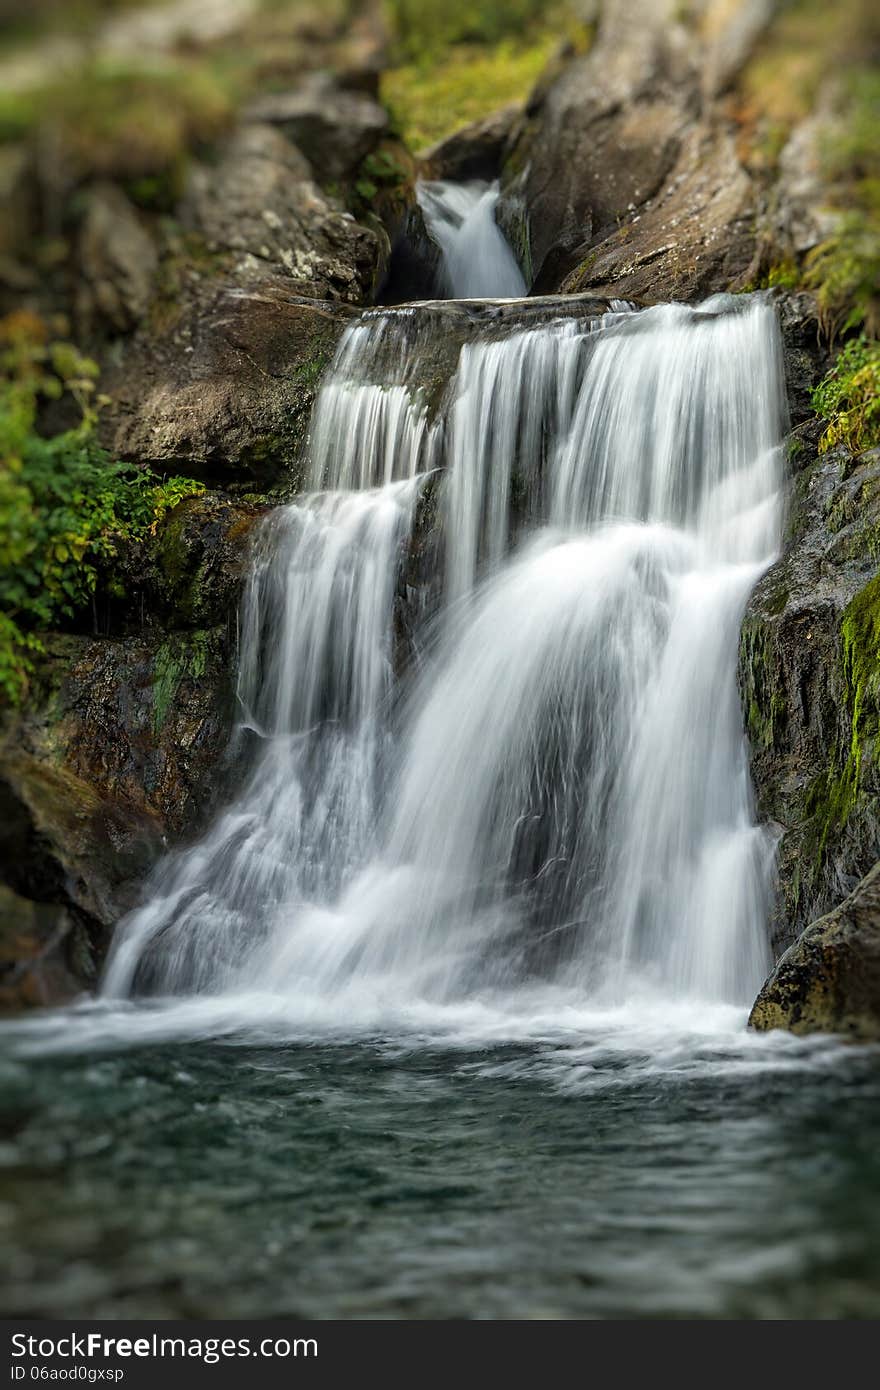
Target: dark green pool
(409, 1175)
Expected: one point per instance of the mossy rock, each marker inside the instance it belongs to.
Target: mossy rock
(829, 980)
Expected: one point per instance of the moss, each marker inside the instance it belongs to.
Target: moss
(833, 795)
(179, 658)
(309, 373)
(421, 28)
(436, 96)
(763, 700)
(860, 636)
(844, 271)
(848, 398)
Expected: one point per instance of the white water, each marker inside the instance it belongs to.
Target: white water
(561, 806)
(476, 259)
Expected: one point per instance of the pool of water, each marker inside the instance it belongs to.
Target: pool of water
(492, 1162)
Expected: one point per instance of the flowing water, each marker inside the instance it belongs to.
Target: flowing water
(476, 260)
(445, 1014)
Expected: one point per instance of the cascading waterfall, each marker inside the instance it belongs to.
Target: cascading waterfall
(476, 259)
(563, 795)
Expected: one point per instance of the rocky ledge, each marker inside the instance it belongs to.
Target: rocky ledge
(829, 980)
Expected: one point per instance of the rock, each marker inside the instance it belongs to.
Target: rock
(475, 151)
(598, 141)
(117, 760)
(191, 575)
(693, 238)
(829, 980)
(33, 941)
(18, 198)
(335, 128)
(414, 268)
(262, 203)
(118, 261)
(124, 747)
(621, 177)
(808, 637)
(225, 393)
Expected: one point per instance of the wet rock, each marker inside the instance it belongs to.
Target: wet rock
(829, 980)
(119, 755)
(622, 177)
(118, 260)
(475, 151)
(262, 203)
(34, 938)
(813, 716)
(336, 128)
(225, 392)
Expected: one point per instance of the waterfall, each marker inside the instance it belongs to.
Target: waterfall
(558, 789)
(477, 262)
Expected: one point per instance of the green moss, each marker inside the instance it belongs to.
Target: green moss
(849, 398)
(431, 28)
(764, 701)
(833, 795)
(309, 373)
(179, 658)
(844, 273)
(860, 636)
(432, 98)
(785, 276)
(65, 504)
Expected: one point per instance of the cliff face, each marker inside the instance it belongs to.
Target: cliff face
(644, 167)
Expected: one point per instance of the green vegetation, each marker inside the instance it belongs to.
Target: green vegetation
(832, 796)
(860, 633)
(460, 61)
(431, 99)
(178, 658)
(65, 505)
(123, 121)
(426, 27)
(849, 397)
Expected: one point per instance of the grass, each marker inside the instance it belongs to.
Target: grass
(430, 100)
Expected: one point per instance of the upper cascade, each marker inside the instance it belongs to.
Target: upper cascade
(559, 788)
(476, 259)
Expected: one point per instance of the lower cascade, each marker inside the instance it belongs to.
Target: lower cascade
(531, 770)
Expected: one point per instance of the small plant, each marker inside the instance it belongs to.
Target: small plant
(65, 504)
(849, 397)
(844, 273)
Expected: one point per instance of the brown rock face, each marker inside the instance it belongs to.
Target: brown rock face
(622, 176)
(335, 128)
(118, 259)
(475, 151)
(225, 393)
(799, 697)
(262, 203)
(829, 980)
(123, 749)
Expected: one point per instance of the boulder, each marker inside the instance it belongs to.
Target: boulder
(475, 151)
(118, 261)
(261, 203)
(116, 760)
(622, 177)
(35, 939)
(829, 980)
(336, 128)
(123, 749)
(809, 637)
(225, 392)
